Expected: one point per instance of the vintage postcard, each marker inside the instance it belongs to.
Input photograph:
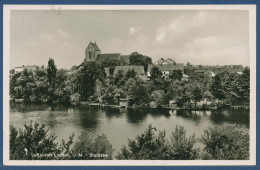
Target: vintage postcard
(99, 85)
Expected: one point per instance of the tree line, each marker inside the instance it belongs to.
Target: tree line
(219, 142)
(89, 82)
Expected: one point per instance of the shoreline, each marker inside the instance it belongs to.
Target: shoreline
(85, 103)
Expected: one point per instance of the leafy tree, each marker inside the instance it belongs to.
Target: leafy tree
(87, 149)
(111, 64)
(130, 74)
(156, 73)
(182, 147)
(138, 93)
(86, 77)
(176, 75)
(226, 142)
(51, 72)
(152, 146)
(139, 59)
(112, 95)
(188, 64)
(120, 79)
(158, 97)
(62, 94)
(33, 139)
(147, 146)
(243, 86)
(217, 88)
(197, 95)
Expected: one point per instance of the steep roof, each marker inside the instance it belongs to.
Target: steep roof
(138, 69)
(94, 45)
(161, 60)
(171, 67)
(102, 57)
(170, 61)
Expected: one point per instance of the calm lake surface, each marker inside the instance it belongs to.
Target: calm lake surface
(119, 125)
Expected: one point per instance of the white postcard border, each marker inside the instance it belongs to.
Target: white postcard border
(6, 65)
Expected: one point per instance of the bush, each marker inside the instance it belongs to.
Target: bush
(34, 143)
(156, 147)
(226, 142)
(146, 146)
(86, 148)
(182, 147)
(26, 143)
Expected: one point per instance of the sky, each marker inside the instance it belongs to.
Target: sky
(195, 36)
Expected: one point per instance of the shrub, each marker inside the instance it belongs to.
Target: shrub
(226, 142)
(146, 146)
(182, 147)
(26, 143)
(86, 148)
(156, 147)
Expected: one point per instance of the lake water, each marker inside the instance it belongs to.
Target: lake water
(119, 125)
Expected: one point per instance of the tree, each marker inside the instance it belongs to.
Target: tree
(243, 86)
(225, 142)
(86, 77)
(112, 95)
(138, 93)
(188, 64)
(51, 72)
(158, 97)
(147, 146)
(156, 73)
(217, 88)
(139, 59)
(130, 74)
(26, 143)
(196, 95)
(176, 75)
(87, 149)
(111, 64)
(155, 146)
(182, 147)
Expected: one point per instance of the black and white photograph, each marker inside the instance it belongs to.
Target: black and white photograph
(129, 85)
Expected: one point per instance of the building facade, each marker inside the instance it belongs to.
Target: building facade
(92, 51)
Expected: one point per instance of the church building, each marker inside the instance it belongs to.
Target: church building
(93, 53)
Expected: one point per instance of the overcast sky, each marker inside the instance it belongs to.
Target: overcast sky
(198, 37)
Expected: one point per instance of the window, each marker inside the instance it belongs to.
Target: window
(89, 54)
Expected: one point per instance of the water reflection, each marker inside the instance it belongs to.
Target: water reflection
(135, 116)
(90, 117)
(116, 123)
(230, 116)
(113, 112)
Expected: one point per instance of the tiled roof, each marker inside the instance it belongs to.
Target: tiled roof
(161, 60)
(170, 61)
(171, 67)
(102, 57)
(138, 69)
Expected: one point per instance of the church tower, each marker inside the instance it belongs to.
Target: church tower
(92, 51)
